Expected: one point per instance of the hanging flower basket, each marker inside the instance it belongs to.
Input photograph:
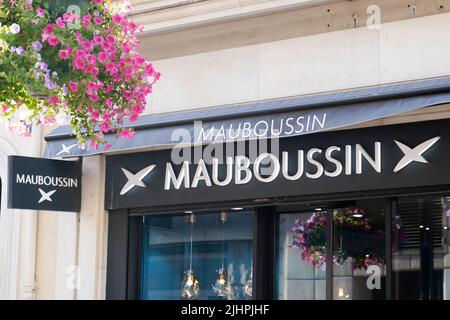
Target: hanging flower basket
(82, 67)
(355, 238)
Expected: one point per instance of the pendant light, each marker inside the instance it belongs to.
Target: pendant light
(222, 287)
(247, 290)
(190, 287)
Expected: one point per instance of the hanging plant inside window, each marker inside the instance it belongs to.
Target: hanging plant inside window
(355, 237)
(81, 67)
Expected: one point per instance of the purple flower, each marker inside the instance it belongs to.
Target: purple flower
(50, 85)
(20, 50)
(44, 66)
(48, 82)
(14, 28)
(37, 46)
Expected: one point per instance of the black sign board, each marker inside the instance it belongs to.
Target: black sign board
(382, 158)
(44, 184)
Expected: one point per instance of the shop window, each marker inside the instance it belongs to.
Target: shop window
(204, 256)
(420, 250)
(358, 247)
(301, 256)
(359, 260)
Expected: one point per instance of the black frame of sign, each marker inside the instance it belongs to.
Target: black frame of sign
(125, 238)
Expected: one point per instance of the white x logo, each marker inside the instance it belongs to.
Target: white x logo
(45, 196)
(65, 149)
(135, 179)
(414, 154)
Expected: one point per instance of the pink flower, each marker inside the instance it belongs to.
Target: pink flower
(127, 95)
(102, 56)
(108, 90)
(70, 17)
(126, 133)
(79, 63)
(60, 23)
(4, 107)
(93, 98)
(64, 54)
(107, 147)
(93, 144)
(73, 86)
(79, 37)
(117, 78)
(110, 39)
(97, 40)
(105, 126)
(53, 41)
(40, 12)
(134, 118)
(53, 100)
(98, 1)
(117, 18)
(81, 53)
(98, 20)
(95, 115)
(87, 45)
(91, 59)
(111, 68)
(149, 70)
(49, 29)
(89, 69)
(86, 21)
(132, 27)
(91, 88)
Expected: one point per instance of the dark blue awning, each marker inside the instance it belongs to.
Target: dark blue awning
(265, 119)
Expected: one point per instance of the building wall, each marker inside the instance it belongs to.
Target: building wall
(228, 52)
(304, 65)
(17, 227)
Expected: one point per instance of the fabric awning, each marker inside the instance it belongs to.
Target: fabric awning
(265, 119)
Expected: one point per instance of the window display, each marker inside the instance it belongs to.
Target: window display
(205, 256)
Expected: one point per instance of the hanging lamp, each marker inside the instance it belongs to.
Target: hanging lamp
(190, 287)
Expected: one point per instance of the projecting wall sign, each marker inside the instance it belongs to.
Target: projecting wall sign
(389, 157)
(44, 184)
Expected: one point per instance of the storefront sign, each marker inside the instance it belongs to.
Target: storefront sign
(381, 158)
(44, 184)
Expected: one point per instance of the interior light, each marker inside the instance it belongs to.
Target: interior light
(427, 228)
(357, 215)
(421, 227)
(318, 209)
(190, 287)
(188, 211)
(237, 209)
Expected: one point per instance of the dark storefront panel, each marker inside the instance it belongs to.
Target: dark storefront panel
(383, 243)
(410, 156)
